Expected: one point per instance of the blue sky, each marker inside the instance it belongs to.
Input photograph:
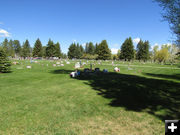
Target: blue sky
(83, 21)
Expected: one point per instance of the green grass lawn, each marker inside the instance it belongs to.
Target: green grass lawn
(45, 100)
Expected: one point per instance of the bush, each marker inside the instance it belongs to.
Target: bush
(4, 62)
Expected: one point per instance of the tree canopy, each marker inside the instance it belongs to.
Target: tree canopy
(172, 15)
(127, 50)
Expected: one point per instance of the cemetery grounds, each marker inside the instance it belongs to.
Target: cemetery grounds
(45, 100)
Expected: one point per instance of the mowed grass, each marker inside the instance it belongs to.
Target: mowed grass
(45, 100)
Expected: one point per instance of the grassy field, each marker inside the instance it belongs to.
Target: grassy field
(45, 100)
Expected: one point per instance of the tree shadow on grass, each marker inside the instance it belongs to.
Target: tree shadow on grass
(174, 76)
(61, 71)
(160, 98)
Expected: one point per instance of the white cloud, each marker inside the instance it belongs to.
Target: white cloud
(136, 40)
(4, 33)
(84, 44)
(114, 51)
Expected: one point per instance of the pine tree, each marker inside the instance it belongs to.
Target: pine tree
(17, 47)
(127, 50)
(57, 50)
(77, 51)
(50, 49)
(5, 46)
(143, 50)
(91, 48)
(37, 50)
(81, 51)
(4, 62)
(26, 49)
(11, 49)
(140, 50)
(72, 51)
(104, 52)
(146, 50)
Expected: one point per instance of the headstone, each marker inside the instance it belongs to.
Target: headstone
(77, 65)
(57, 62)
(67, 62)
(62, 64)
(29, 67)
(54, 65)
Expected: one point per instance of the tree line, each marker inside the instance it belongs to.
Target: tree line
(91, 51)
(14, 48)
(127, 51)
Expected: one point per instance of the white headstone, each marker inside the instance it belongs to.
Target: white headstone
(77, 65)
(28, 67)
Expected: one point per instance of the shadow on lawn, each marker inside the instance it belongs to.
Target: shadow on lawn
(160, 98)
(62, 71)
(174, 76)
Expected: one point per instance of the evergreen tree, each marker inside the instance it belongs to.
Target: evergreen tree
(50, 49)
(77, 51)
(17, 47)
(5, 46)
(4, 62)
(37, 50)
(146, 50)
(140, 50)
(127, 50)
(11, 49)
(81, 51)
(26, 49)
(72, 51)
(91, 48)
(104, 52)
(96, 49)
(57, 50)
